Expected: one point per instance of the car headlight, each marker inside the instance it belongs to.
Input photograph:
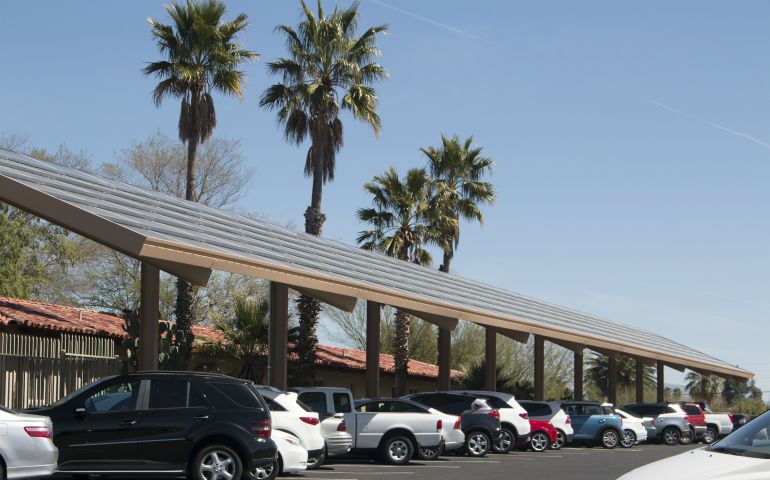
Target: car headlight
(293, 441)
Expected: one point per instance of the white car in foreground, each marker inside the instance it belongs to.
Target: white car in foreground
(742, 455)
(634, 430)
(26, 447)
(292, 457)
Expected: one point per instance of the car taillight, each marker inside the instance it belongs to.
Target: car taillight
(621, 421)
(39, 432)
(310, 420)
(439, 425)
(262, 428)
(732, 419)
(458, 423)
(524, 415)
(568, 421)
(342, 427)
(494, 414)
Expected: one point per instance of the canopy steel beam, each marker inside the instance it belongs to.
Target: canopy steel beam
(444, 359)
(490, 362)
(149, 305)
(373, 310)
(539, 367)
(279, 336)
(660, 384)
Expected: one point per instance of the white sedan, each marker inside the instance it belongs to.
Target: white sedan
(292, 457)
(634, 430)
(742, 455)
(26, 447)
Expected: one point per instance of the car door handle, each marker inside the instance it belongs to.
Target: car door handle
(128, 423)
(201, 418)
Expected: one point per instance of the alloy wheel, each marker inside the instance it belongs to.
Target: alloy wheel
(671, 436)
(263, 473)
(478, 444)
(539, 441)
(561, 440)
(217, 465)
(711, 436)
(398, 451)
(429, 453)
(504, 442)
(629, 439)
(609, 439)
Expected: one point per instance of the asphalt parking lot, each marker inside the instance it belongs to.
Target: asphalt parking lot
(578, 463)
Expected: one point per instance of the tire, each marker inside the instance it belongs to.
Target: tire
(211, 461)
(429, 453)
(317, 461)
(539, 441)
(687, 438)
(477, 444)
(609, 438)
(671, 436)
(629, 439)
(505, 442)
(396, 450)
(712, 435)
(561, 440)
(269, 472)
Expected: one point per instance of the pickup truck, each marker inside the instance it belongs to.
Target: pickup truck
(393, 437)
(697, 420)
(719, 424)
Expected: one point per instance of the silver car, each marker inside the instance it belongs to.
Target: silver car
(26, 445)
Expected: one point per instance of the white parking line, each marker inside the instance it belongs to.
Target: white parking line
(338, 472)
(370, 465)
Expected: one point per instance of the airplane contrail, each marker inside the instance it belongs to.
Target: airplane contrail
(428, 20)
(737, 133)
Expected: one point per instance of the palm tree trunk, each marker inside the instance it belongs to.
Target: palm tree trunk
(446, 262)
(401, 351)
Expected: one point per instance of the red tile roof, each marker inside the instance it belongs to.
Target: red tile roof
(47, 316)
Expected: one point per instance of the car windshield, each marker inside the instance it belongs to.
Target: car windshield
(6, 410)
(751, 440)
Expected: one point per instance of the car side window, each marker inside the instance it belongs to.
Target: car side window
(342, 403)
(273, 406)
(168, 393)
(455, 406)
(572, 410)
(117, 397)
(592, 410)
(400, 407)
(370, 407)
(537, 409)
(316, 401)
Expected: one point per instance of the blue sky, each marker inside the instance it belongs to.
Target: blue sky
(631, 140)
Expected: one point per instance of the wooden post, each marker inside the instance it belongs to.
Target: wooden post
(539, 367)
(490, 370)
(639, 380)
(149, 305)
(372, 349)
(279, 336)
(444, 358)
(612, 379)
(661, 384)
(577, 382)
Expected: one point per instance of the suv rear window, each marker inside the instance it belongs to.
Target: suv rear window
(315, 401)
(691, 409)
(537, 409)
(495, 402)
(342, 403)
(239, 393)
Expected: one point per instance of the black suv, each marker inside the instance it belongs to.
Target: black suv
(206, 426)
(481, 427)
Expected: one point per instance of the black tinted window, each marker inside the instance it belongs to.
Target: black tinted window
(691, 409)
(342, 403)
(273, 406)
(115, 397)
(370, 407)
(195, 399)
(168, 393)
(316, 401)
(239, 393)
(537, 409)
(495, 402)
(592, 410)
(401, 407)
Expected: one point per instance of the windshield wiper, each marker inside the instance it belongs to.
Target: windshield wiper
(730, 450)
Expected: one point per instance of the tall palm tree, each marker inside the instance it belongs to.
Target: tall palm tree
(457, 169)
(599, 368)
(329, 69)
(201, 56)
(703, 387)
(402, 225)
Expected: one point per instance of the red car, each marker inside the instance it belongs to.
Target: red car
(542, 435)
(697, 419)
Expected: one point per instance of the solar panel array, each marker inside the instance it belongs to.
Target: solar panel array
(222, 232)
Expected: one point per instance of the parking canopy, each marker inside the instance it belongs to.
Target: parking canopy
(190, 240)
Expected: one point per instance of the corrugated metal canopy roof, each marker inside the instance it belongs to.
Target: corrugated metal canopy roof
(190, 239)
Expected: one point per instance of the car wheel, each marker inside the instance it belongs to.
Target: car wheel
(505, 442)
(671, 436)
(396, 450)
(217, 462)
(539, 441)
(610, 438)
(316, 462)
(477, 444)
(432, 453)
(711, 435)
(687, 438)
(629, 439)
(268, 472)
(561, 440)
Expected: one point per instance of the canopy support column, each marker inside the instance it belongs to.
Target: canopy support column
(444, 358)
(661, 382)
(577, 381)
(279, 336)
(149, 307)
(539, 367)
(373, 349)
(490, 363)
(639, 380)
(612, 378)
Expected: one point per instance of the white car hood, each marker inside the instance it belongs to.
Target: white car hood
(702, 464)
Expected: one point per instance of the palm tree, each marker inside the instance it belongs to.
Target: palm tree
(329, 69)
(599, 367)
(245, 337)
(201, 56)
(402, 224)
(457, 169)
(475, 377)
(703, 387)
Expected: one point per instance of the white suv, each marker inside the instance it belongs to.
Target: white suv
(514, 420)
(551, 412)
(292, 417)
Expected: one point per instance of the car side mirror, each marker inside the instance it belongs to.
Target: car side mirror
(80, 412)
